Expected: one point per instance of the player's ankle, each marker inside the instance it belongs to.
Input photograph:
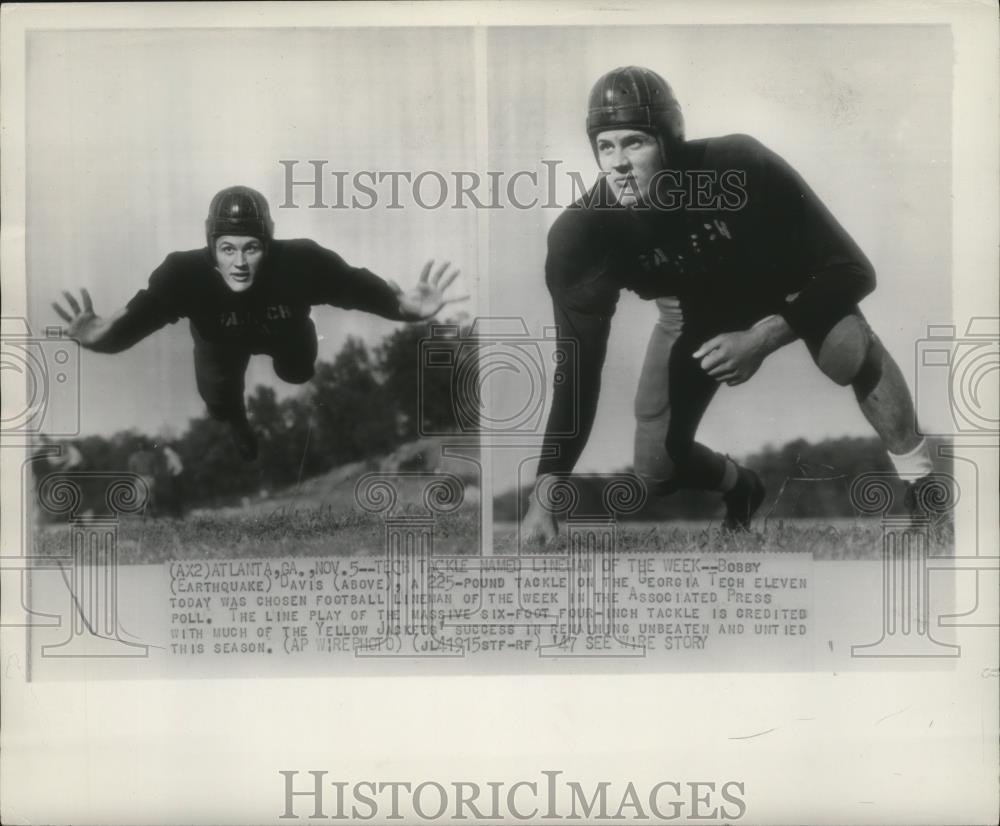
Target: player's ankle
(913, 464)
(244, 439)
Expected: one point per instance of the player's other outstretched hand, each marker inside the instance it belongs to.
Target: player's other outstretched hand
(539, 525)
(427, 298)
(82, 323)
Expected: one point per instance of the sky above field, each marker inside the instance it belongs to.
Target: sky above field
(130, 133)
(866, 125)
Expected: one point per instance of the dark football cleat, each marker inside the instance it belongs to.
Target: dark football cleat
(928, 498)
(244, 440)
(743, 501)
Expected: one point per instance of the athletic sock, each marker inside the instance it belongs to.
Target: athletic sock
(914, 464)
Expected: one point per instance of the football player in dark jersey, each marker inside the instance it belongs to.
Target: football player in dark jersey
(741, 257)
(247, 293)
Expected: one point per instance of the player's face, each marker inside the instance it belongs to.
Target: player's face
(238, 258)
(630, 159)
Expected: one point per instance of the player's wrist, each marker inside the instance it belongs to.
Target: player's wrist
(91, 333)
(760, 343)
(540, 481)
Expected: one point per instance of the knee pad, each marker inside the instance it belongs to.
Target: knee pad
(849, 352)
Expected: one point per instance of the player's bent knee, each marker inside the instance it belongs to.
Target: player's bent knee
(657, 484)
(654, 474)
(846, 350)
(294, 375)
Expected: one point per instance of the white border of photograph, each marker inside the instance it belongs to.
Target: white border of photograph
(891, 747)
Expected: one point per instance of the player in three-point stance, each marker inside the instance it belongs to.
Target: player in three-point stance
(247, 293)
(741, 257)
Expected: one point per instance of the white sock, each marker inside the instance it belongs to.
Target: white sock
(915, 464)
(729, 476)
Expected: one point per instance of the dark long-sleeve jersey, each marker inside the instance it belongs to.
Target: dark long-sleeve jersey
(737, 236)
(294, 276)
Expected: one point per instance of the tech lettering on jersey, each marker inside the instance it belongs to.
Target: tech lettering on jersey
(241, 318)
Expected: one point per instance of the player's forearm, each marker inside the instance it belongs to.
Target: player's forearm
(379, 298)
(540, 481)
(772, 333)
(115, 333)
(582, 347)
(576, 391)
(561, 450)
(360, 289)
(561, 446)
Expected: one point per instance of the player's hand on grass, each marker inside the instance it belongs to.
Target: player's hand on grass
(732, 357)
(427, 298)
(83, 324)
(539, 525)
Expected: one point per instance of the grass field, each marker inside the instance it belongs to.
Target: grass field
(284, 531)
(822, 539)
(322, 517)
(310, 530)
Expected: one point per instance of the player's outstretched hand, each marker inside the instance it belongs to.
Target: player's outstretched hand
(731, 357)
(82, 323)
(427, 298)
(539, 525)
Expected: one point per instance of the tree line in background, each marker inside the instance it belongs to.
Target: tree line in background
(361, 404)
(364, 403)
(803, 479)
